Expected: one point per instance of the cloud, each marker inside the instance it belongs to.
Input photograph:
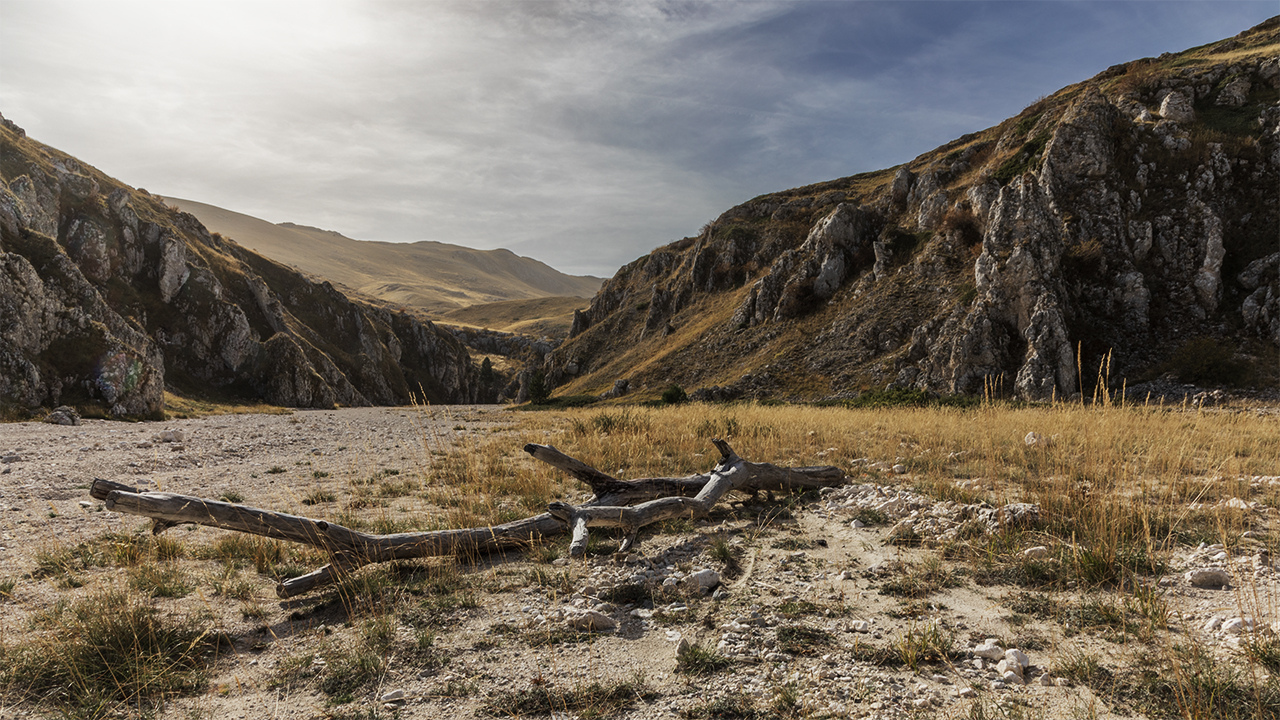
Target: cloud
(582, 133)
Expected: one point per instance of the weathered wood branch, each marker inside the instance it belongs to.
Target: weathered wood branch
(614, 505)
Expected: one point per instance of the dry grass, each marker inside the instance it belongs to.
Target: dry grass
(1121, 488)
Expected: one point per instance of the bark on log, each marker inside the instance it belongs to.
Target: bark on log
(658, 498)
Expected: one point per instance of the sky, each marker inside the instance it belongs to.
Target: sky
(582, 133)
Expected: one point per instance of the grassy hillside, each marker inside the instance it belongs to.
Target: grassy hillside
(548, 316)
(436, 277)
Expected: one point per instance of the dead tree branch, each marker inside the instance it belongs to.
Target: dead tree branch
(617, 503)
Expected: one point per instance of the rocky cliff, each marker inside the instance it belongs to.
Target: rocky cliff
(108, 296)
(1128, 222)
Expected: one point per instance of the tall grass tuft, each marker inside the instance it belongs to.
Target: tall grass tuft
(107, 649)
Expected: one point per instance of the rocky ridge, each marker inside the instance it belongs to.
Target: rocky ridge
(1127, 222)
(108, 297)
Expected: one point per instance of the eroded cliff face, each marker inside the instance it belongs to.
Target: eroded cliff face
(1119, 218)
(107, 296)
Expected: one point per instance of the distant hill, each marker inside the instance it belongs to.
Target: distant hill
(539, 317)
(433, 276)
(1120, 230)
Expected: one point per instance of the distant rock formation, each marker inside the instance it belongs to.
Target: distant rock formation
(107, 296)
(1114, 224)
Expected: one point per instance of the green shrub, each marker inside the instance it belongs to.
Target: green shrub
(1207, 359)
(674, 394)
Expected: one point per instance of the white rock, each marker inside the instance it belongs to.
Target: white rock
(900, 469)
(1016, 656)
(705, 579)
(1045, 680)
(989, 649)
(1235, 626)
(1011, 678)
(861, 626)
(857, 524)
(591, 621)
(1038, 552)
(966, 692)
(86, 504)
(1213, 624)
(1208, 577)
(1033, 439)
(391, 696)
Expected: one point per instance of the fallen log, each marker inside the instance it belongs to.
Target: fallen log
(614, 505)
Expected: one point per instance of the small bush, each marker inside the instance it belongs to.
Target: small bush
(1207, 360)
(674, 394)
(594, 700)
(928, 644)
(694, 659)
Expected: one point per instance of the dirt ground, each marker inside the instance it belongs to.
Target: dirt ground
(801, 611)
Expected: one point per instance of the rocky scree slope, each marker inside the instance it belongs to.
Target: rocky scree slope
(1132, 216)
(107, 296)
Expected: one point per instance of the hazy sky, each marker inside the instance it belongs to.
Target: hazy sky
(581, 133)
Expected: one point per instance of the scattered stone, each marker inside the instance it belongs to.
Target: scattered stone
(1236, 625)
(900, 469)
(170, 436)
(989, 649)
(1208, 577)
(705, 579)
(591, 621)
(391, 696)
(1038, 552)
(63, 415)
(86, 504)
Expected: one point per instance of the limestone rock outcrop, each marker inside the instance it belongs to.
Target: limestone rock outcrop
(108, 296)
(1108, 230)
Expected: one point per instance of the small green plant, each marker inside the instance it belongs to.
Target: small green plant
(928, 644)
(802, 640)
(674, 394)
(693, 659)
(786, 700)
(921, 581)
(734, 706)
(595, 700)
(164, 580)
(275, 470)
(316, 497)
(231, 496)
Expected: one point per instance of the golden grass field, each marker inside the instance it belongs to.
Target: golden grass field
(1125, 491)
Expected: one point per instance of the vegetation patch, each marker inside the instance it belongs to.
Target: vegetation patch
(107, 650)
(595, 700)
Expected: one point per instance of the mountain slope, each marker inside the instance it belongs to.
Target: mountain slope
(436, 277)
(108, 296)
(1129, 222)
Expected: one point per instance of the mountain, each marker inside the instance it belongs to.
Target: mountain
(108, 297)
(432, 276)
(1122, 229)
